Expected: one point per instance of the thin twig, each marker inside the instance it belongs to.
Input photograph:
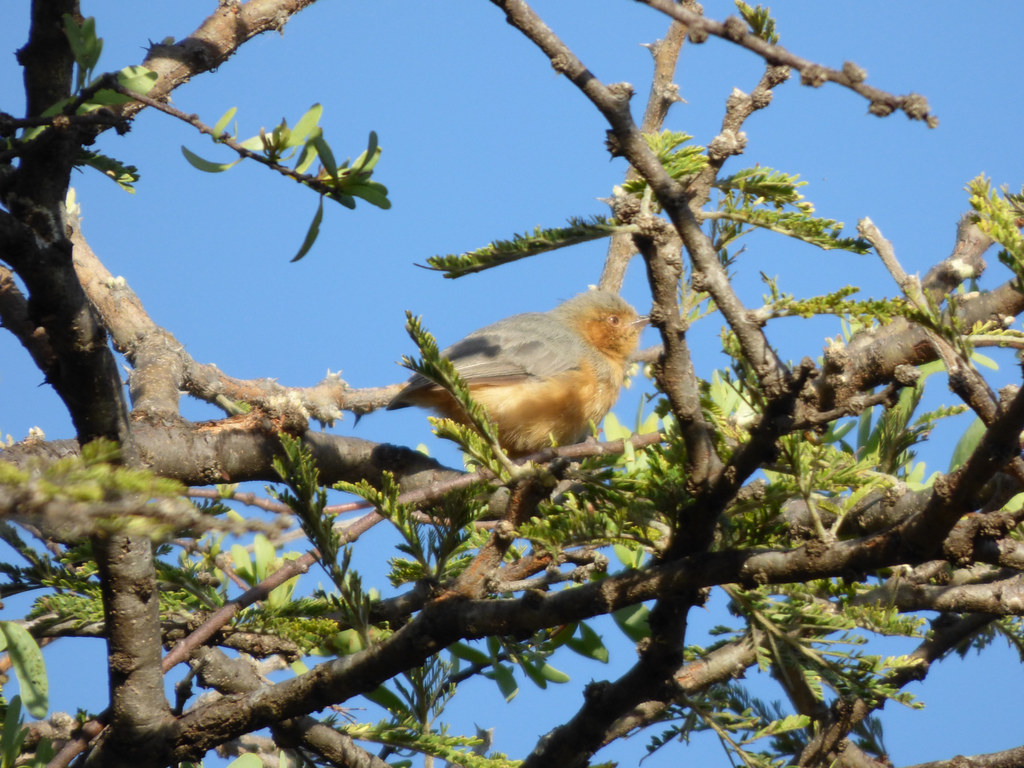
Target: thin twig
(735, 30)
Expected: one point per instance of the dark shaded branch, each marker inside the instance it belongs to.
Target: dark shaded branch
(139, 714)
(604, 704)
(718, 666)
(229, 676)
(1003, 598)
(15, 317)
(441, 623)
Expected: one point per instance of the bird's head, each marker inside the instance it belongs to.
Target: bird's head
(605, 321)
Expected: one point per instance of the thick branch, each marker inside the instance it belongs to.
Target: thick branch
(139, 714)
(1008, 758)
(236, 676)
(213, 43)
(441, 623)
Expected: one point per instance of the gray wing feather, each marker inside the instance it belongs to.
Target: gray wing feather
(533, 345)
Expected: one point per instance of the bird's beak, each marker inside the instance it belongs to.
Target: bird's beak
(642, 320)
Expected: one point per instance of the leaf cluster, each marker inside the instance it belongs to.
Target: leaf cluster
(999, 216)
(541, 240)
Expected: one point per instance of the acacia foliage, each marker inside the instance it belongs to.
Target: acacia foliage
(793, 489)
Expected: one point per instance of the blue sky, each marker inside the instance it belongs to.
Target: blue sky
(482, 139)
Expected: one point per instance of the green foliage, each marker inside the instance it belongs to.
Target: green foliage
(85, 47)
(123, 175)
(439, 546)
(763, 198)
(865, 313)
(811, 639)
(580, 230)
(305, 144)
(307, 498)
(455, 750)
(442, 546)
(998, 216)
(27, 660)
(760, 21)
(414, 701)
(92, 478)
(680, 159)
(759, 185)
(738, 720)
(823, 233)
(12, 739)
(887, 441)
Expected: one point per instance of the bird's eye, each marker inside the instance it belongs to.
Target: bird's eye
(614, 319)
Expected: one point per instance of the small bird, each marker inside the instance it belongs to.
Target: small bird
(540, 375)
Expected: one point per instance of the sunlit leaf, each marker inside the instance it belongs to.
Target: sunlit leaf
(313, 232)
(206, 165)
(27, 660)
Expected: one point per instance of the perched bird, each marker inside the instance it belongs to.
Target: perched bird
(540, 375)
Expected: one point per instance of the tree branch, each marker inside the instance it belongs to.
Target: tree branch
(735, 30)
(664, 93)
(140, 716)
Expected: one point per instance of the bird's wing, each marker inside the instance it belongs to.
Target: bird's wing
(533, 345)
(518, 348)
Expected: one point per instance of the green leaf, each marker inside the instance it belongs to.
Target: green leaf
(366, 161)
(264, 556)
(614, 429)
(632, 620)
(206, 165)
(788, 723)
(630, 556)
(506, 681)
(533, 671)
(248, 760)
(372, 192)
(243, 564)
(301, 132)
(27, 660)
(14, 733)
(138, 79)
(522, 246)
(469, 653)
(312, 233)
(253, 144)
(966, 444)
(385, 697)
(85, 46)
(123, 175)
(761, 23)
(326, 156)
(985, 361)
(221, 124)
(308, 154)
(589, 644)
(553, 675)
